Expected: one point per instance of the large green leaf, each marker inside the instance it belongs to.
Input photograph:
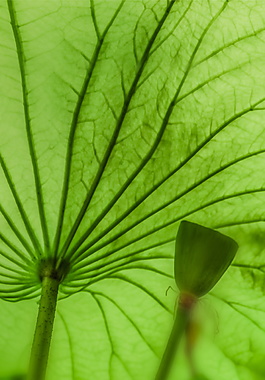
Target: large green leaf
(118, 120)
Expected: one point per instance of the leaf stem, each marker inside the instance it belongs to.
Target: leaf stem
(178, 328)
(43, 331)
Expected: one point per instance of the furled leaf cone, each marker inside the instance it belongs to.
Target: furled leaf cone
(202, 256)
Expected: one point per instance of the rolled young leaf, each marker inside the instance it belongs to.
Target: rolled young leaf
(202, 256)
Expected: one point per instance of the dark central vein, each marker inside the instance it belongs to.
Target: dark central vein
(117, 129)
(76, 114)
(21, 62)
(80, 255)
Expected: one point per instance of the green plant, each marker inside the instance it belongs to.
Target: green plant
(202, 257)
(119, 119)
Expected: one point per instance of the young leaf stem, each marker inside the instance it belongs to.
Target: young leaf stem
(184, 308)
(43, 331)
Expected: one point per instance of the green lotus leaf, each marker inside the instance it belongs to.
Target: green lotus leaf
(119, 119)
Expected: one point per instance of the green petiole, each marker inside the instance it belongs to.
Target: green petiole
(43, 331)
(180, 323)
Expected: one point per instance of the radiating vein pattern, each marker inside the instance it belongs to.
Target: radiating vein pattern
(117, 122)
(129, 161)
